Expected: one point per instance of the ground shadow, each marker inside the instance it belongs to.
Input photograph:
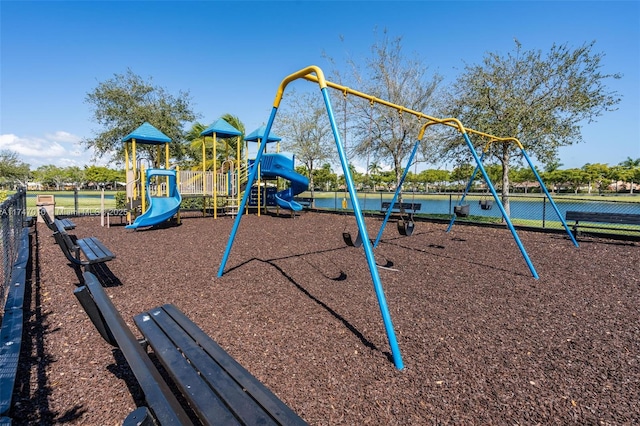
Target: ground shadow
(271, 262)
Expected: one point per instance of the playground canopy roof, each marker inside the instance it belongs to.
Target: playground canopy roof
(222, 129)
(148, 134)
(258, 134)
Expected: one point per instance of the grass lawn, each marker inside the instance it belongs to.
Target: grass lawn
(66, 200)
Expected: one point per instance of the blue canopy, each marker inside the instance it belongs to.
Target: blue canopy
(258, 134)
(146, 133)
(222, 129)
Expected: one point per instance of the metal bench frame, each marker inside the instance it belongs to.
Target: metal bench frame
(601, 217)
(217, 389)
(85, 252)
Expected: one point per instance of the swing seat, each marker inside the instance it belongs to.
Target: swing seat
(462, 210)
(486, 204)
(349, 241)
(406, 227)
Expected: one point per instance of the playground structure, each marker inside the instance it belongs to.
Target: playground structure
(275, 165)
(222, 186)
(315, 74)
(161, 208)
(148, 185)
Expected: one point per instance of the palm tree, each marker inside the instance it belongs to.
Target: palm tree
(232, 143)
(374, 172)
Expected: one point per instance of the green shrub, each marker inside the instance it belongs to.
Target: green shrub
(121, 200)
(4, 194)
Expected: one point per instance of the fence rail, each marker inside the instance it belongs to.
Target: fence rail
(12, 217)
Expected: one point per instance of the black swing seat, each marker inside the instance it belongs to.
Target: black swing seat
(406, 227)
(461, 210)
(486, 204)
(349, 241)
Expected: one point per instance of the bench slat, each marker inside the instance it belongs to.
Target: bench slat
(67, 223)
(263, 395)
(94, 249)
(161, 400)
(203, 400)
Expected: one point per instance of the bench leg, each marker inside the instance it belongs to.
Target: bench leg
(139, 417)
(87, 302)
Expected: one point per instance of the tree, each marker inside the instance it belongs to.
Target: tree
(74, 175)
(126, 101)
(325, 178)
(461, 174)
(436, 177)
(304, 124)
(12, 169)
(542, 100)
(226, 147)
(102, 176)
(194, 150)
(232, 143)
(51, 175)
(576, 177)
(596, 173)
(632, 167)
(383, 132)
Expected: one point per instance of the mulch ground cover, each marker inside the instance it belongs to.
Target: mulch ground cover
(483, 342)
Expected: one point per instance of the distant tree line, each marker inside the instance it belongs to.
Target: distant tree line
(16, 173)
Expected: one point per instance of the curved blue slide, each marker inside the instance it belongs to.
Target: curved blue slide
(160, 209)
(278, 165)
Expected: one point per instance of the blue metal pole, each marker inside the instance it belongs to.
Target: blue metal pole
(499, 203)
(466, 191)
(395, 196)
(368, 250)
(546, 191)
(245, 197)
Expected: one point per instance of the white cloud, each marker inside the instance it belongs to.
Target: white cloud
(59, 148)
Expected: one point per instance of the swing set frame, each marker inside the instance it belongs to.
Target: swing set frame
(315, 74)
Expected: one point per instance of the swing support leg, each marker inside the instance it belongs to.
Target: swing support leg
(368, 249)
(467, 189)
(395, 195)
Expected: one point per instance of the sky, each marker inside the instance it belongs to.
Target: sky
(231, 56)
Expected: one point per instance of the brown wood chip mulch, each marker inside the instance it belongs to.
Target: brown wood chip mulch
(483, 342)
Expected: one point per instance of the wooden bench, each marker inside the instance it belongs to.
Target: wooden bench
(600, 217)
(68, 223)
(85, 252)
(400, 206)
(12, 326)
(215, 387)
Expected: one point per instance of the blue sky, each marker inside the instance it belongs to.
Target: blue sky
(232, 55)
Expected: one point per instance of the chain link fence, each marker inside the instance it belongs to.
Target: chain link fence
(531, 210)
(12, 217)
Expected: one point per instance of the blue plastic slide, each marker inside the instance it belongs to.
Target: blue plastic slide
(278, 165)
(160, 209)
